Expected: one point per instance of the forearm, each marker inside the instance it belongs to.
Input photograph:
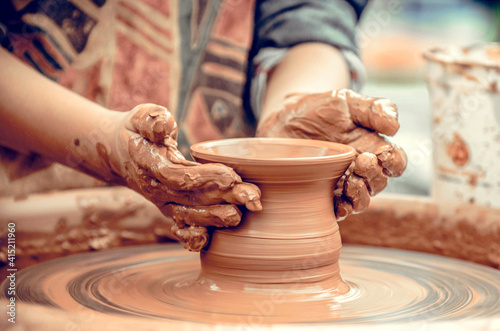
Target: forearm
(307, 68)
(38, 115)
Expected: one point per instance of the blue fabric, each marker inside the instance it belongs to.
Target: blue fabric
(285, 23)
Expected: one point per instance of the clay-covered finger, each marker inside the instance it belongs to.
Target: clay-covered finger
(154, 123)
(302, 118)
(181, 177)
(367, 166)
(319, 116)
(214, 215)
(369, 141)
(343, 207)
(376, 114)
(393, 159)
(153, 159)
(194, 238)
(356, 191)
(241, 194)
(244, 194)
(153, 156)
(176, 157)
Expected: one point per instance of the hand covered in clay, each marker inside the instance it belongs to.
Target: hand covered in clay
(350, 118)
(194, 195)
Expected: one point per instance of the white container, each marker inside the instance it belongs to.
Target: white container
(464, 86)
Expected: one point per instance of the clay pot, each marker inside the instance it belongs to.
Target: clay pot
(295, 238)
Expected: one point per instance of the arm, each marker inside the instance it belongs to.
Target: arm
(137, 149)
(38, 115)
(307, 48)
(298, 72)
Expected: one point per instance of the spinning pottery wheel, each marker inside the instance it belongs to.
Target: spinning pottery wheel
(280, 267)
(150, 286)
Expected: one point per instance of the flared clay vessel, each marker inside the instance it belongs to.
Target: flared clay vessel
(294, 242)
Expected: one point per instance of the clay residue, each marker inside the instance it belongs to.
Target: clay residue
(96, 223)
(458, 150)
(464, 231)
(77, 221)
(473, 180)
(193, 237)
(493, 87)
(478, 55)
(353, 119)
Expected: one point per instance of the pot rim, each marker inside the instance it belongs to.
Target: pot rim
(205, 151)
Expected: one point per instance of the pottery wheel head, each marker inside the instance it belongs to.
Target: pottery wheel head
(152, 286)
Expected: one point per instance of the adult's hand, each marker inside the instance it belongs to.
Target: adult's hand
(350, 118)
(195, 195)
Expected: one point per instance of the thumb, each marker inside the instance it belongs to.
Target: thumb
(376, 114)
(155, 123)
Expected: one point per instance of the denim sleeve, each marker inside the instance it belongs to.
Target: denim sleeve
(281, 24)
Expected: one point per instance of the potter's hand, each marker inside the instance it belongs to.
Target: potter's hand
(194, 195)
(350, 118)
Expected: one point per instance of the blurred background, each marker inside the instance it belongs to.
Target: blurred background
(393, 34)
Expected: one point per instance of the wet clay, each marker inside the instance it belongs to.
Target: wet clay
(157, 286)
(293, 244)
(349, 118)
(296, 229)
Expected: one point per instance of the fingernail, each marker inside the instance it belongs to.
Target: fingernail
(157, 112)
(255, 205)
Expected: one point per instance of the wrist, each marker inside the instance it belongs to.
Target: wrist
(300, 73)
(95, 151)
